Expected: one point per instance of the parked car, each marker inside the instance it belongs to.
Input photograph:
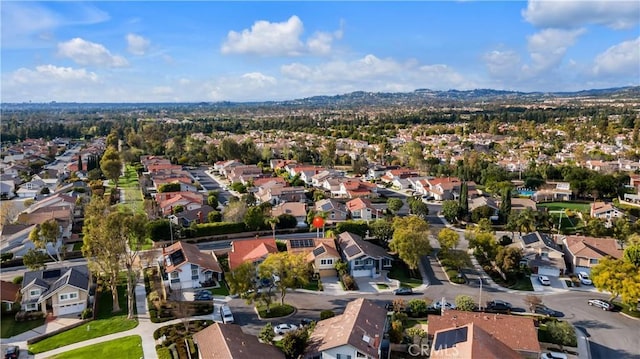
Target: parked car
(544, 310)
(553, 355)
(498, 306)
(403, 291)
(447, 305)
(203, 295)
(12, 352)
(599, 303)
(584, 278)
(226, 315)
(306, 321)
(282, 329)
(544, 280)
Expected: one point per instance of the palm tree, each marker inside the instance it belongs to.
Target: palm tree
(526, 221)
(273, 222)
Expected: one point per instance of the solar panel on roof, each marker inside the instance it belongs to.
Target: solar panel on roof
(352, 250)
(301, 243)
(449, 338)
(530, 238)
(51, 273)
(177, 257)
(318, 251)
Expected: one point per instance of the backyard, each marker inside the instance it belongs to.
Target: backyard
(105, 323)
(128, 347)
(565, 213)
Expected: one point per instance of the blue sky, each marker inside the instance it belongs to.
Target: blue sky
(157, 51)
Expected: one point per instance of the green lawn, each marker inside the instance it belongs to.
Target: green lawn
(313, 285)
(127, 347)
(559, 206)
(222, 290)
(401, 272)
(522, 283)
(132, 194)
(277, 310)
(413, 322)
(9, 327)
(105, 323)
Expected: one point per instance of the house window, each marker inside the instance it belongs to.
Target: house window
(34, 292)
(593, 261)
(174, 277)
(64, 296)
(360, 355)
(73, 295)
(326, 261)
(343, 356)
(357, 262)
(386, 262)
(194, 271)
(32, 306)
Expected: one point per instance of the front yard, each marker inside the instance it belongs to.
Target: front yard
(407, 278)
(452, 261)
(177, 339)
(105, 323)
(127, 348)
(9, 327)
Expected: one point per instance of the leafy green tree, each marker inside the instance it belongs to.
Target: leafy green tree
(294, 343)
(621, 230)
(505, 205)
(562, 333)
(526, 221)
(508, 259)
(242, 280)
(417, 332)
(484, 225)
(632, 255)
(234, 212)
(169, 187)
(286, 220)
(410, 240)
(595, 227)
(483, 242)
(291, 269)
(111, 165)
(213, 199)
(35, 259)
(448, 239)
(417, 306)
(46, 235)
(255, 218)
(382, 230)
(394, 204)
(465, 303)
(464, 199)
(356, 227)
(266, 334)
(214, 216)
(618, 277)
(450, 210)
(419, 208)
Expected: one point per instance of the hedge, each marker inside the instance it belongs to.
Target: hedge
(212, 229)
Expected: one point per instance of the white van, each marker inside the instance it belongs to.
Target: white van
(226, 315)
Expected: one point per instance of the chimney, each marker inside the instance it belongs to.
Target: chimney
(200, 217)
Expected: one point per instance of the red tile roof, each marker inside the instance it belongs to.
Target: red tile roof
(8, 291)
(250, 250)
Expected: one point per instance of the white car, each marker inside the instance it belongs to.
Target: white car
(282, 329)
(447, 305)
(553, 355)
(226, 315)
(584, 278)
(544, 280)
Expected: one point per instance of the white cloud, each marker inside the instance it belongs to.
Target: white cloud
(548, 47)
(502, 64)
(85, 52)
(137, 44)
(279, 39)
(162, 90)
(258, 79)
(51, 73)
(574, 13)
(620, 59)
(267, 38)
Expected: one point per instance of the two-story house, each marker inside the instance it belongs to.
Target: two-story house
(336, 211)
(365, 259)
(357, 333)
(606, 212)
(321, 253)
(186, 266)
(362, 208)
(542, 253)
(583, 253)
(61, 291)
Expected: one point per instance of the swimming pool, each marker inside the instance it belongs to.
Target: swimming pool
(526, 192)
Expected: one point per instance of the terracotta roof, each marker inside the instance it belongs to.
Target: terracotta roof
(193, 255)
(590, 247)
(250, 250)
(8, 291)
(296, 209)
(359, 203)
(261, 181)
(324, 247)
(468, 342)
(361, 325)
(228, 341)
(519, 333)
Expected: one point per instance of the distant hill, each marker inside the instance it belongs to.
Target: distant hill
(419, 97)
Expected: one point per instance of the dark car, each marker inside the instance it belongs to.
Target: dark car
(403, 291)
(498, 306)
(12, 352)
(203, 295)
(544, 310)
(306, 321)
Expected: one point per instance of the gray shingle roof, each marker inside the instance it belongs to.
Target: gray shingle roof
(54, 279)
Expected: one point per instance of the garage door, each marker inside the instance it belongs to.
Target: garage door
(549, 271)
(70, 309)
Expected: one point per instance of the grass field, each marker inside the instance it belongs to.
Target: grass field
(9, 327)
(127, 347)
(560, 206)
(132, 194)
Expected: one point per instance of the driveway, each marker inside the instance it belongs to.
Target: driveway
(557, 285)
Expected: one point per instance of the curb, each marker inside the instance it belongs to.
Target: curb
(295, 311)
(628, 316)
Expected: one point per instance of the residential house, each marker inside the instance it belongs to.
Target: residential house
(335, 211)
(354, 188)
(446, 188)
(544, 256)
(32, 188)
(296, 209)
(561, 192)
(318, 179)
(396, 174)
(244, 174)
(606, 212)
(321, 253)
(469, 341)
(224, 167)
(357, 333)
(275, 193)
(477, 202)
(7, 189)
(516, 332)
(15, 239)
(187, 266)
(228, 341)
(253, 250)
(583, 253)
(8, 294)
(62, 291)
(167, 201)
(521, 204)
(189, 216)
(365, 259)
(362, 208)
(377, 171)
(277, 164)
